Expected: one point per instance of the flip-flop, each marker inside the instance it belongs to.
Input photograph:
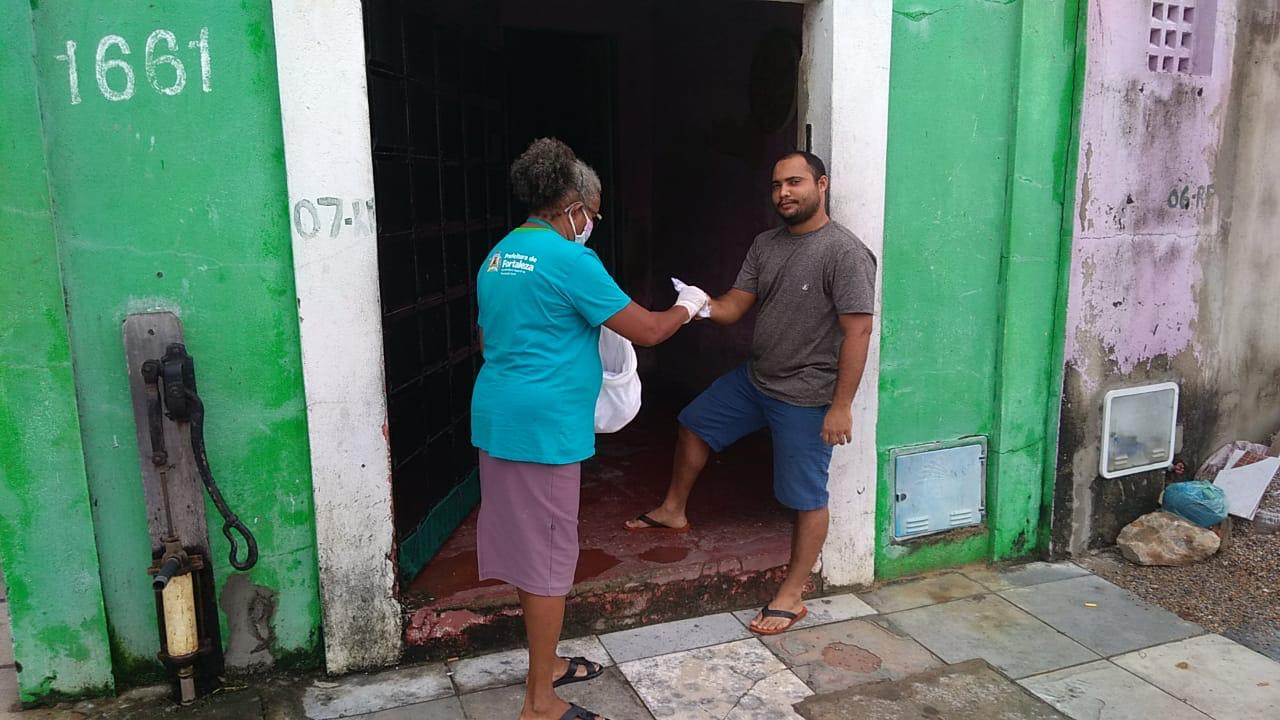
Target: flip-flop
(656, 527)
(768, 612)
(570, 676)
(578, 713)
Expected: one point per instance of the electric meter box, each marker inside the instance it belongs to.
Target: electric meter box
(938, 487)
(1139, 428)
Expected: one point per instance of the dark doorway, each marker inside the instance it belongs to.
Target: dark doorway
(681, 107)
(568, 93)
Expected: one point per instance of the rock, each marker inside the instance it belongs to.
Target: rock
(1162, 538)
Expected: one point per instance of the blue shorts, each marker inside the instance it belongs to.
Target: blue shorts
(733, 407)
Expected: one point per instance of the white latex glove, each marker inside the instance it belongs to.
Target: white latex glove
(705, 312)
(693, 300)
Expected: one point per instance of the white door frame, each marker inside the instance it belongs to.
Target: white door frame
(844, 96)
(328, 155)
(324, 106)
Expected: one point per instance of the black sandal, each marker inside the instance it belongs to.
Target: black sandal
(577, 713)
(594, 670)
(653, 526)
(791, 617)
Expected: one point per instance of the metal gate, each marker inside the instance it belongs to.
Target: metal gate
(438, 123)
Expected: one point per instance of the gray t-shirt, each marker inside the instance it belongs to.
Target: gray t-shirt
(803, 284)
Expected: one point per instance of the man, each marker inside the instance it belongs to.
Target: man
(815, 282)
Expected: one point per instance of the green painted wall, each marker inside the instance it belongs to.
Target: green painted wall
(1036, 261)
(980, 126)
(46, 530)
(1075, 28)
(173, 197)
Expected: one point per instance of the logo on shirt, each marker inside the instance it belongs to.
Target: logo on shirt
(512, 263)
(805, 288)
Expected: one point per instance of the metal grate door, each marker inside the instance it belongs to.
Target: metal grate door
(438, 124)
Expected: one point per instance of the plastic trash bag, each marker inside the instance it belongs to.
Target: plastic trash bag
(619, 400)
(1199, 501)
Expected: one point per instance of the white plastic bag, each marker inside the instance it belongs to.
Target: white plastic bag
(679, 285)
(619, 400)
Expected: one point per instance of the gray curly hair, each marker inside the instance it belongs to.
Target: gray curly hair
(588, 181)
(545, 174)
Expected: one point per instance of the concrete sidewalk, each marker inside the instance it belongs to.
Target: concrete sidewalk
(1080, 644)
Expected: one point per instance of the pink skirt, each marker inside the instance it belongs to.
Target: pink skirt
(527, 532)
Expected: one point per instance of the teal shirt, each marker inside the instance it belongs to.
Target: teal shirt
(542, 301)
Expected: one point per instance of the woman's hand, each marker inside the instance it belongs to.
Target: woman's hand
(692, 299)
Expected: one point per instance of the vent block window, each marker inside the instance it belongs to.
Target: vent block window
(1181, 35)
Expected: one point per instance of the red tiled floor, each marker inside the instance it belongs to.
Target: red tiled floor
(740, 537)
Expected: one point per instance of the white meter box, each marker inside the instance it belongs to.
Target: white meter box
(1139, 428)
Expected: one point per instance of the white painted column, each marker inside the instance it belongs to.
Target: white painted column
(845, 77)
(323, 100)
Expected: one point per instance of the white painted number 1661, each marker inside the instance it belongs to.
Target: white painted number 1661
(110, 73)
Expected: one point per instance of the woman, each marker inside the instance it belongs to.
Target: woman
(543, 296)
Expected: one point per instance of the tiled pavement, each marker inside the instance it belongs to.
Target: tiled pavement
(1086, 647)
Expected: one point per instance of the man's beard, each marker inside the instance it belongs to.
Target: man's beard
(803, 215)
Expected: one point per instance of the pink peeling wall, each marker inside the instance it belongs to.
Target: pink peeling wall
(1133, 300)
(1145, 137)
(1146, 267)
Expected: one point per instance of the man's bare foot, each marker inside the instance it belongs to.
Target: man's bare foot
(790, 603)
(671, 518)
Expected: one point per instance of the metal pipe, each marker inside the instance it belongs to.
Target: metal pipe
(166, 573)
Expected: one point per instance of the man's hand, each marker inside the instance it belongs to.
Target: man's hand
(730, 307)
(837, 428)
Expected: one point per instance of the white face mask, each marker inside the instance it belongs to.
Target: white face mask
(581, 237)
